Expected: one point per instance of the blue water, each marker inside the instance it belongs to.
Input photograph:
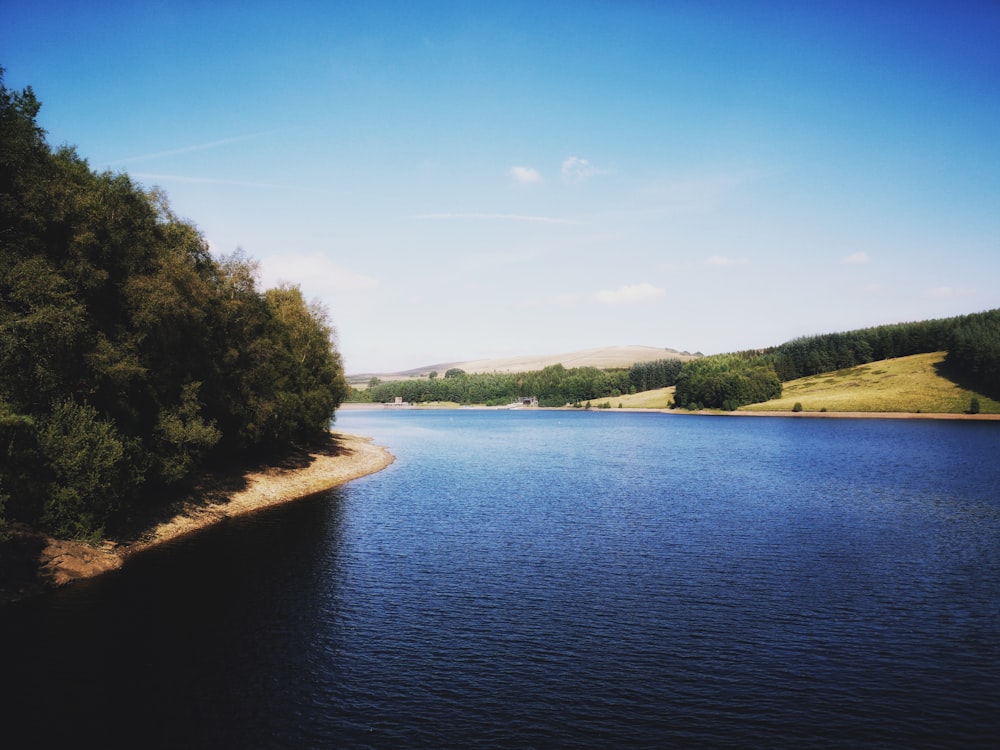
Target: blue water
(559, 579)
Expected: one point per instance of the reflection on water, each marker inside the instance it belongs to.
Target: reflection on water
(568, 579)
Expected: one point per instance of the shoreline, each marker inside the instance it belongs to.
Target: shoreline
(360, 406)
(60, 562)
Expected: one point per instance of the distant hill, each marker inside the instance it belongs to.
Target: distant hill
(608, 357)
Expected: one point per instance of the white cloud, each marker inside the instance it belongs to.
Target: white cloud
(526, 175)
(575, 169)
(720, 261)
(949, 292)
(316, 274)
(857, 258)
(629, 294)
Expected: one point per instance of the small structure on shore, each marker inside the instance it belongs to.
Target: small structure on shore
(522, 403)
(397, 403)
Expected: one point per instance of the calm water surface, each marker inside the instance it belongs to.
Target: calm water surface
(530, 579)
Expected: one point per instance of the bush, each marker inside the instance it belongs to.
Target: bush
(93, 469)
(797, 407)
(974, 405)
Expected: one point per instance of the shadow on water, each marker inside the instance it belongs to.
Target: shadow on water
(22, 572)
(155, 654)
(556, 580)
(215, 487)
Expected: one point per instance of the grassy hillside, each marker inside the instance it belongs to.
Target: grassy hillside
(659, 398)
(907, 384)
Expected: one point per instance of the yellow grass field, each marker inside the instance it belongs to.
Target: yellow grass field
(908, 384)
(655, 399)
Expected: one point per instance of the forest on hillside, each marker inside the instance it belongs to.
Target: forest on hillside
(972, 343)
(726, 381)
(129, 356)
(554, 385)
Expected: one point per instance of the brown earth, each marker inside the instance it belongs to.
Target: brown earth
(31, 562)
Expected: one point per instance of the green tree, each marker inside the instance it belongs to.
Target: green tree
(128, 355)
(184, 438)
(92, 470)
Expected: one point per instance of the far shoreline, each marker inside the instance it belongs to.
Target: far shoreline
(61, 562)
(363, 406)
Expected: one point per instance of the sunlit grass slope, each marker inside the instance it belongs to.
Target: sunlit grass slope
(907, 384)
(655, 399)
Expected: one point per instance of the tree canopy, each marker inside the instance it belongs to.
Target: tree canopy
(128, 354)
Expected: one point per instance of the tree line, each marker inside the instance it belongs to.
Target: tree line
(554, 385)
(727, 381)
(129, 356)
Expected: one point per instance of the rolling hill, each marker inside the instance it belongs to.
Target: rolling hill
(608, 357)
(905, 384)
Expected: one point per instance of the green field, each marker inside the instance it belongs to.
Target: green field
(908, 384)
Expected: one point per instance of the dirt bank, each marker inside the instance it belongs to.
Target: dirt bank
(31, 562)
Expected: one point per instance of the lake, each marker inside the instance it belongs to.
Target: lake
(557, 579)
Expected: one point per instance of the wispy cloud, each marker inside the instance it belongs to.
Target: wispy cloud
(496, 217)
(856, 258)
(629, 294)
(720, 261)
(950, 292)
(196, 147)
(168, 178)
(526, 175)
(575, 169)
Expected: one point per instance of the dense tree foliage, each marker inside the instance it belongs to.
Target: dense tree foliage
(725, 382)
(972, 342)
(128, 355)
(660, 373)
(813, 355)
(552, 386)
(974, 351)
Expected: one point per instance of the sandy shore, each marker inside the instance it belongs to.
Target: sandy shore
(355, 457)
(60, 562)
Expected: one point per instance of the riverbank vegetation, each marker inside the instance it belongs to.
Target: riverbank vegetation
(130, 357)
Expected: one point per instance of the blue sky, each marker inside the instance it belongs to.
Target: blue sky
(457, 180)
